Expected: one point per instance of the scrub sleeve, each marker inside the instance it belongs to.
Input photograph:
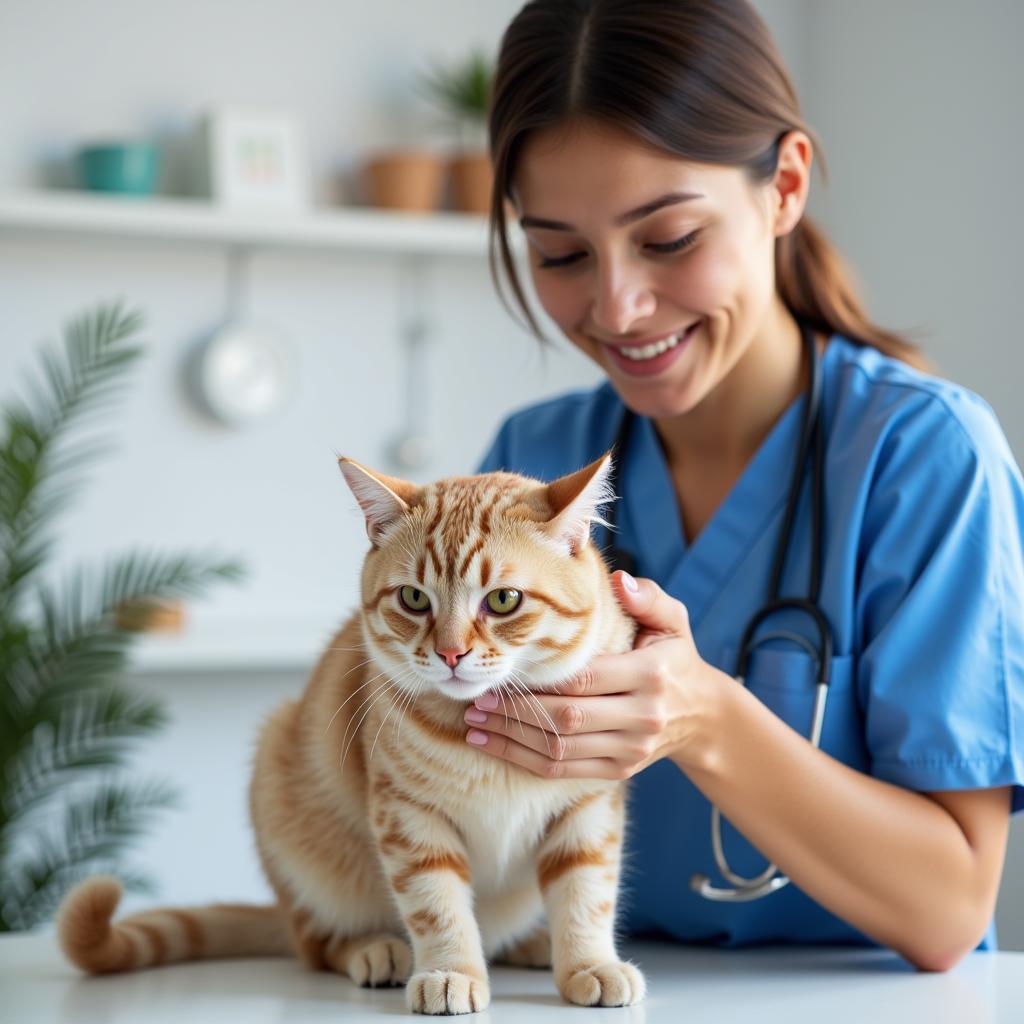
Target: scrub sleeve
(940, 609)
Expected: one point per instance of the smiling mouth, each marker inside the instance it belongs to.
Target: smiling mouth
(640, 353)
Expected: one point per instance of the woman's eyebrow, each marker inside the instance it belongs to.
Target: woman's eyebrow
(669, 199)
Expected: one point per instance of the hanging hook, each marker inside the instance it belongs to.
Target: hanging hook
(411, 449)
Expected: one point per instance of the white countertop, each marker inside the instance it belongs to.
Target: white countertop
(685, 984)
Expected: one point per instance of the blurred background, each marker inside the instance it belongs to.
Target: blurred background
(290, 317)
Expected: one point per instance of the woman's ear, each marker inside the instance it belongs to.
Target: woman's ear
(792, 182)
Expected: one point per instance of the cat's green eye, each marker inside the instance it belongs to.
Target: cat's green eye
(504, 600)
(413, 599)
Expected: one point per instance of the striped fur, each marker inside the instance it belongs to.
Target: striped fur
(398, 853)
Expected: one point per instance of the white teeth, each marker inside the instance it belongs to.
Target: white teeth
(654, 349)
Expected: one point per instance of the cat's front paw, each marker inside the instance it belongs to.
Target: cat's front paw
(437, 992)
(612, 984)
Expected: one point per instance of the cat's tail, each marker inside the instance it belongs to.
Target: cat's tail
(92, 941)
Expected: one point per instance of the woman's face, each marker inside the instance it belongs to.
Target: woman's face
(667, 301)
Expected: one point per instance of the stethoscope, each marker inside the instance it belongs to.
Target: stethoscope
(812, 431)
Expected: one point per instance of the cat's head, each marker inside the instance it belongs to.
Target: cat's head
(476, 582)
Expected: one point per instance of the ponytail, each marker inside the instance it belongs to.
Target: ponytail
(816, 285)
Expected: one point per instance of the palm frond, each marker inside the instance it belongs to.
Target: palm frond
(71, 735)
(77, 379)
(95, 828)
(137, 575)
(77, 642)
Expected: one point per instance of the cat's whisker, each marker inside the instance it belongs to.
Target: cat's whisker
(352, 694)
(501, 691)
(383, 721)
(405, 707)
(522, 731)
(394, 704)
(501, 694)
(531, 696)
(367, 702)
(380, 694)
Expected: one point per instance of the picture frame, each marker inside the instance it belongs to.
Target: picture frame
(253, 158)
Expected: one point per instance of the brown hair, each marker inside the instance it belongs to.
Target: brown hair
(698, 78)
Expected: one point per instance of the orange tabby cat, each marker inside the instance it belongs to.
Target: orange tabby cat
(374, 835)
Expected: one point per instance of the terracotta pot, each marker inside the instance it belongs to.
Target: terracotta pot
(150, 615)
(472, 182)
(405, 180)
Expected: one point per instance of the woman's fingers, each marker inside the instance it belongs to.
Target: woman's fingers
(654, 610)
(587, 742)
(547, 755)
(564, 715)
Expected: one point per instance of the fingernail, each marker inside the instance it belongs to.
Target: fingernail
(472, 715)
(487, 701)
(629, 583)
(477, 737)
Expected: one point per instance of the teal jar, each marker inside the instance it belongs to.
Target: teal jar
(132, 168)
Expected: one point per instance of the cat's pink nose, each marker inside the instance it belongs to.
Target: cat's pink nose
(451, 655)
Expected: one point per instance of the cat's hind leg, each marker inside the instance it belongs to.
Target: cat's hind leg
(371, 961)
(533, 950)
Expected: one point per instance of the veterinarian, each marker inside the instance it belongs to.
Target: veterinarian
(655, 155)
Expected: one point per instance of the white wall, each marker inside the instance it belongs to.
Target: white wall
(917, 104)
(919, 108)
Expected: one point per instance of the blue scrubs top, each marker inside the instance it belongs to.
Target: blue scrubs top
(922, 582)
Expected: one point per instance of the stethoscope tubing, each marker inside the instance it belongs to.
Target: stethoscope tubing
(812, 434)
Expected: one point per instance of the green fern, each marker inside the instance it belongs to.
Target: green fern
(464, 91)
(67, 721)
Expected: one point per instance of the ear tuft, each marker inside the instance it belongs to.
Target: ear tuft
(383, 499)
(575, 500)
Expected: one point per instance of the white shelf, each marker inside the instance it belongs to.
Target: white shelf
(164, 218)
(210, 645)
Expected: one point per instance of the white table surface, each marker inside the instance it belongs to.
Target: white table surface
(685, 984)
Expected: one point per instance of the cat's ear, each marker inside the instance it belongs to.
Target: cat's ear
(575, 500)
(383, 499)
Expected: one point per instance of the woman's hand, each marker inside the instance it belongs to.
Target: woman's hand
(620, 713)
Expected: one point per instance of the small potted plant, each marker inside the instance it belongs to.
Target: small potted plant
(465, 92)
(405, 179)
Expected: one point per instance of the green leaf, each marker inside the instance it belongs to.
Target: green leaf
(464, 90)
(78, 378)
(90, 730)
(95, 829)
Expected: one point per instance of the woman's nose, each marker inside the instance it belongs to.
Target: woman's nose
(623, 298)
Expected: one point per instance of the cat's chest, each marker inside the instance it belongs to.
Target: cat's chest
(503, 827)
(501, 841)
